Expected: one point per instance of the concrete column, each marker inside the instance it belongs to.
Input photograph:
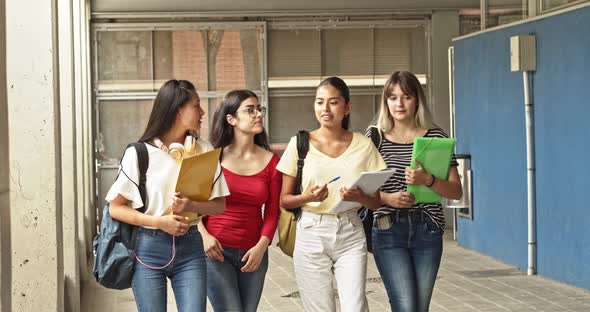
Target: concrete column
(250, 53)
(68, 156)
(532, 8)
(84, 151)
(445, 26)
(35, 155)
(5, 260)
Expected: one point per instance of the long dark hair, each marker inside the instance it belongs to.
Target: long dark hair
(170, 98)
(341, 86)
(223, 133)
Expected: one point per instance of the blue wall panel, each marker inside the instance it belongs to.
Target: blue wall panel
(490, 126)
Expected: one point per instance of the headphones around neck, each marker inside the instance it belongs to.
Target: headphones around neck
(177, 150)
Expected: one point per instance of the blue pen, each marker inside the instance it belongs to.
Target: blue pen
(335, 179)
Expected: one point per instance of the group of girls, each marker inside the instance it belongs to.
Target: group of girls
(223, 255)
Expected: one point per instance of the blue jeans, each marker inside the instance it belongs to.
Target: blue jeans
(188, 272)
(230, 289)
(408, 255)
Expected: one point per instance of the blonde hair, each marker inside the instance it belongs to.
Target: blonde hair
(410, 85)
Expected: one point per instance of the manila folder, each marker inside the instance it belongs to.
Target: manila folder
(196, 177)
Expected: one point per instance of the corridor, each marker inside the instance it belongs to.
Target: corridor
(467, 282)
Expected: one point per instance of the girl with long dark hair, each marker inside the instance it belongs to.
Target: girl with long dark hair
(237, 240)
(170, 136)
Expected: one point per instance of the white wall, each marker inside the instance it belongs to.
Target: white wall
(34, 150)
(68, 156)
(5, 263)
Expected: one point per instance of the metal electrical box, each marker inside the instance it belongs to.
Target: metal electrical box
(523, 53)
(464, 204)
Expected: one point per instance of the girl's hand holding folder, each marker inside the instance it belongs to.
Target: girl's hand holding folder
(398, 199)
(180, 202)
(418, 176)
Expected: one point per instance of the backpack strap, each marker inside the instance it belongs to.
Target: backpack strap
(302, 149)
(143, 162)
(220, 171)
(376, 136)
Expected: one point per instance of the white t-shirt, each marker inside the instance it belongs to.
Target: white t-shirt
(319, 168)
(161, 177)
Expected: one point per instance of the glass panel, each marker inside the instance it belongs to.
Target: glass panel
(551, 4)
(418, 51)
(294, 53)
(393, 47)
(107, 177)
(289, 114)
(362, 113)
(469, 24)
(347, 52)
(501, 12)
(124, 55)
(181, 55)
(117, 130)
(301, 115)
(238, 58)
(121, 122)
(163, 55)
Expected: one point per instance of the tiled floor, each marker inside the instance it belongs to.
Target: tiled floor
(467, 281)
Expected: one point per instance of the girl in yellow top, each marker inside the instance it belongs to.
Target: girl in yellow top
(328, 242)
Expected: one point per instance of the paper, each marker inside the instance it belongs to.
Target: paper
(369, 183)
(435, 155)
(196, 177)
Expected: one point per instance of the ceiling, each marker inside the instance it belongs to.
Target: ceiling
(325, 6)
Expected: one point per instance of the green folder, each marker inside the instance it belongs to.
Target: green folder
(435, 155)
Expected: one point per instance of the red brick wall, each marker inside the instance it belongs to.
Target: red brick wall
(230, 63)
(189, 62)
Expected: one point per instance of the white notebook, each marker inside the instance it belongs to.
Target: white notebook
(369, 183)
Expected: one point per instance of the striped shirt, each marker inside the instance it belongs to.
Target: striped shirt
(398, 156)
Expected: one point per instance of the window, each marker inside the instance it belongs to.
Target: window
(364, 56)
(499, 12)
(554, 4)
(282, 129)
(131, 65)
(119, 123)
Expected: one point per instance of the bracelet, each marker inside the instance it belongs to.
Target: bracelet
(433, 179)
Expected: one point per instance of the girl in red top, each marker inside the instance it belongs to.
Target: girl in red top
(236, 241)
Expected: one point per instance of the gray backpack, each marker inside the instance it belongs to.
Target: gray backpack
(114, 245)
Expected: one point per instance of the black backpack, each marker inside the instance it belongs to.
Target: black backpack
(287, 226)
(302, 149)
(366, 214)
(114, 245)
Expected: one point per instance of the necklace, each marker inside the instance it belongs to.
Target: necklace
(404, 140)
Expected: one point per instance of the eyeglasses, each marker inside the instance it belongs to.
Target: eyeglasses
(253, 111)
